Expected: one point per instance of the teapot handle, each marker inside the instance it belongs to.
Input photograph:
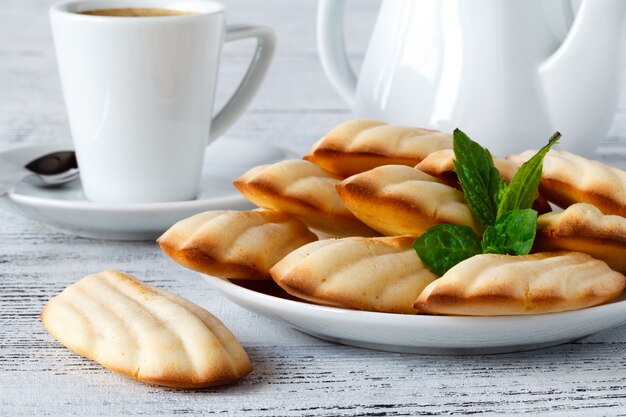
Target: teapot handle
(332, 48)
(561, 15)
(569, 13)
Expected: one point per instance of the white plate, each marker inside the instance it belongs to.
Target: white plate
(437, 335)
(66, 209)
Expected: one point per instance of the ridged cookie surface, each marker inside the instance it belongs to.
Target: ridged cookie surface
(502, 285)
(583, 228)
(360, 145)
(144, 333)
(304, 190)
(568, 178)
(234, 244)
(376, 274)
(398, 200)
(440, 165)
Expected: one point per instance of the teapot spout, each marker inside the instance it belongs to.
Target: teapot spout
(581, 79)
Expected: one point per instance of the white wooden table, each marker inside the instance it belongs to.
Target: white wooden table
(294, 375)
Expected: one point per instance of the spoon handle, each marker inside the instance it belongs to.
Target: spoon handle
(11, 175)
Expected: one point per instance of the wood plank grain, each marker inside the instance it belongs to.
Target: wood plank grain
(333, 381)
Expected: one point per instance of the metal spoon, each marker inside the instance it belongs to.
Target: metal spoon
(50, 170)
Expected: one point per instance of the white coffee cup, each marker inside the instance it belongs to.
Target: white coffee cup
(139, 93)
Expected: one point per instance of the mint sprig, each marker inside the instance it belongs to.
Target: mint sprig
(478, 176)
(522, 191)
(446, 244)
(512, 234)
(504, 212)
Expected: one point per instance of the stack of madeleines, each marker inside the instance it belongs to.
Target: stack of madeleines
(336, 228)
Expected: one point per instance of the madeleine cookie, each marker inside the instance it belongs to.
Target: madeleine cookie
(304, 190)
(360, 145)
(583, 228)
(234, 244)
(503, 285)
(145, 333)
(376, 274)
(567, 179)
(440, 165)
(398, 200)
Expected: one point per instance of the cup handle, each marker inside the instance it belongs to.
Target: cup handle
(249, 85)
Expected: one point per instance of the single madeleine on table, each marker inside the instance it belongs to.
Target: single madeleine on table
(144, 333)
(503, 285)
(398, 200)
(583, 228)
(305, 191)
(376, 274)
(359, 145)
(234, 244)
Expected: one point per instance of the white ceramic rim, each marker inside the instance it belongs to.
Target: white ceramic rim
(197, 8)
(395, 319)
(139, 207)
(422, 334)
(112, 207)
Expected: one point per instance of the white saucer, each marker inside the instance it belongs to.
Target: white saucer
(434, 335)
(66, 209)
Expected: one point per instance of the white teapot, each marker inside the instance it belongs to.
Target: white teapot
(507, 72)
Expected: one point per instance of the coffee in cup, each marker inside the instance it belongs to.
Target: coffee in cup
(136, 12)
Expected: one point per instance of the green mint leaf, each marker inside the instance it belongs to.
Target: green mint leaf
(445, 245)
(522, 190)
(501, 190)
(512, 234)
(478, 176)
